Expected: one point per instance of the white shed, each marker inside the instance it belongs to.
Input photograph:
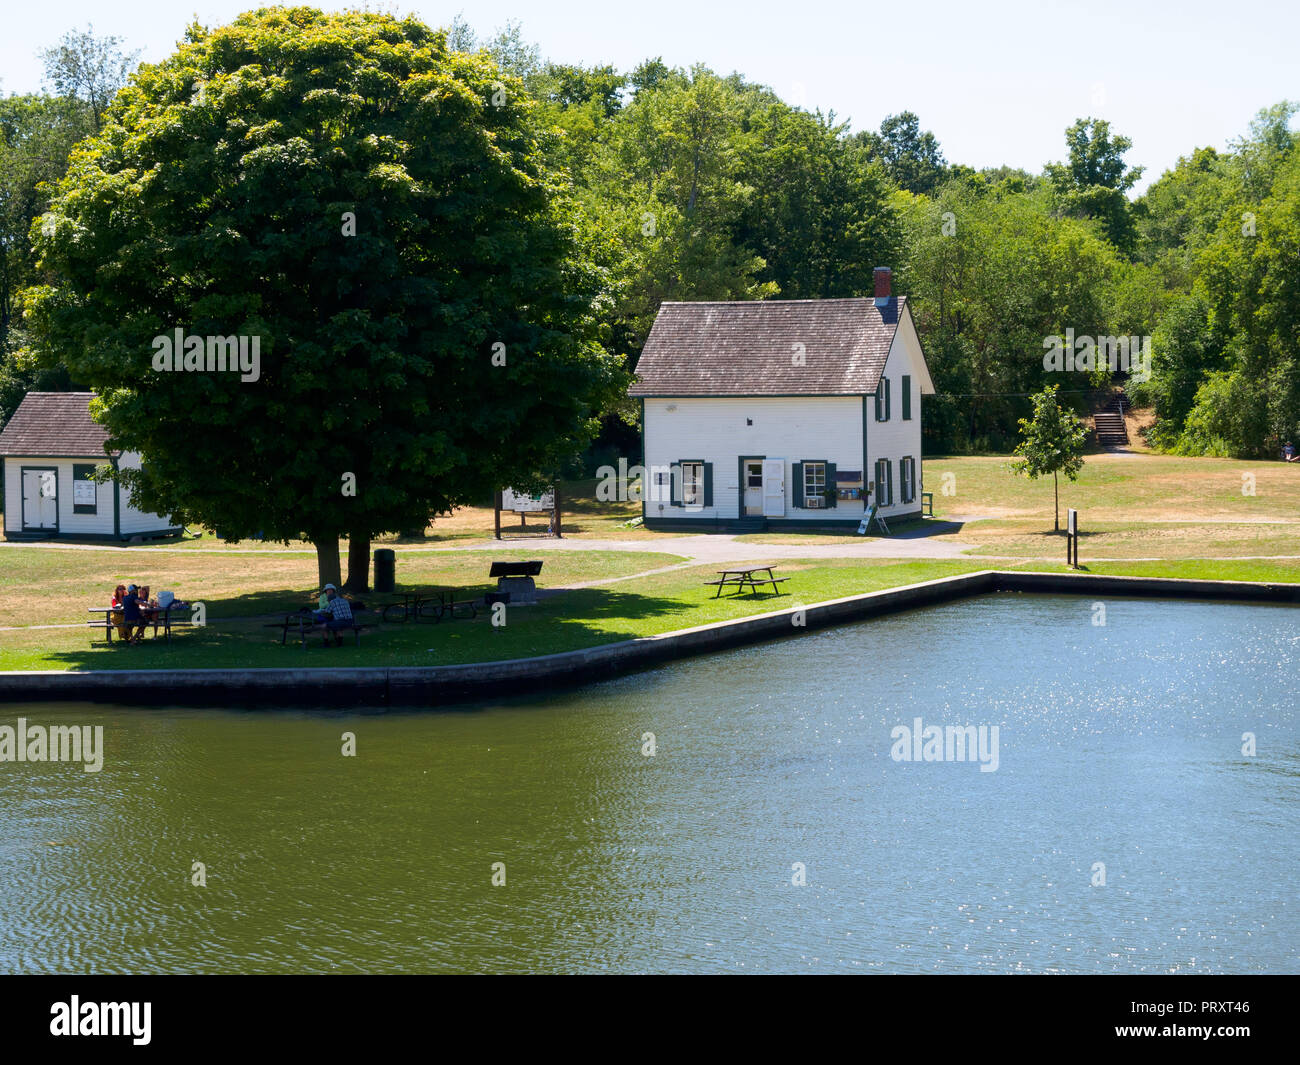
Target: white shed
(50, 449)
(782, 413)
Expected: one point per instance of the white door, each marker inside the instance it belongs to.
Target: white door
(773, 488)
(40, 499)
(753, 486)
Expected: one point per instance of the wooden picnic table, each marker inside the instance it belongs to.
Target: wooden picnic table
(740, 579)
(149, 616)
(307, 623)
(434, 604)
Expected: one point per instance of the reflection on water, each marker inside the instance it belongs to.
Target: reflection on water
(1119, 745)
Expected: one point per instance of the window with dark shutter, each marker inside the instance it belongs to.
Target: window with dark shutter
(907, 398)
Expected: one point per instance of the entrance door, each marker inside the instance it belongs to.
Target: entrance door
(40, 499)
(773, 488)
(753, 487)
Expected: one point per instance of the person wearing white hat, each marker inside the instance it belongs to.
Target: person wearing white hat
(338, 616)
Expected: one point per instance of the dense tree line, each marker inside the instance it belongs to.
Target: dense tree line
(688, 184)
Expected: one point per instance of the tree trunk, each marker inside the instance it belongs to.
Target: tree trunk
(358, 563)
(327, 561)
(1056, 503)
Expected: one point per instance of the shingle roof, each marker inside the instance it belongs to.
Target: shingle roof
(54, 424)
(748, 348)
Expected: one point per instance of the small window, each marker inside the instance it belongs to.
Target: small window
(754, 475)
(882, 399)
(85, 492)
(663, 484)
(814, 480)
(907, 479)
(693, 484)
(884, 483)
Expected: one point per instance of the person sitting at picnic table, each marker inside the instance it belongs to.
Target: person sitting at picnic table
(1289, 452)
(132, 616)
(339, 616)
(322, 610)
(119, 594)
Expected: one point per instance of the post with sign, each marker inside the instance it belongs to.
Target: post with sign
(524, 503)
(1072, 539)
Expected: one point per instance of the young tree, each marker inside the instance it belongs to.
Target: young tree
(371, 208)
(1052, 442)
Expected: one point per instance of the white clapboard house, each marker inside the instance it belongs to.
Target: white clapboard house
(782, 413)
(50, 449)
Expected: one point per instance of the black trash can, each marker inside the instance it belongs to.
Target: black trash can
(385, 569)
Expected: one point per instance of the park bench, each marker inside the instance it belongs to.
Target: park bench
(515, 579)
(927, 504)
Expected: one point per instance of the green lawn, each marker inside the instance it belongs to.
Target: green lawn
(638, 606)
(58, 585)
(1189, 515)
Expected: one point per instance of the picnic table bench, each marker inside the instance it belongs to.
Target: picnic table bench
(305, 620)
(149, 617)
(740, 579)
(434, 604)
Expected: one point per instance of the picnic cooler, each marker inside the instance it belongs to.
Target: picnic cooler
(385, 569)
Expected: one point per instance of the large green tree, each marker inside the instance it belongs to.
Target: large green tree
(371, 207)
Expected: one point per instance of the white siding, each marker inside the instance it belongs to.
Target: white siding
(136, 521)
(897, 438)
(716, 430)
(72, 524)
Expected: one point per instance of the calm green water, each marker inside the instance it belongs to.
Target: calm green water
(1118, 744)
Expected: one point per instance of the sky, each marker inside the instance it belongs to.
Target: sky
(997, 82)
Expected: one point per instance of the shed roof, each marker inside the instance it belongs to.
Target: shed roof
(54, 424)
(748, 348)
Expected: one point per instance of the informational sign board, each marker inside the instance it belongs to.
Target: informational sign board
(83, 493)
(527, 503)
(1073, 522)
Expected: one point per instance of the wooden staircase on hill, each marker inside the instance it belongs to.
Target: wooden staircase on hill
(1108, 420)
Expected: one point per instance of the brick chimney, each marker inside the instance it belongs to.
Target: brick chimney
(882, 275)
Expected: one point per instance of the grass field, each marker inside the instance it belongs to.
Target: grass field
(1119, 487)
(1141, 515)
(1140, 505)
(583, 617)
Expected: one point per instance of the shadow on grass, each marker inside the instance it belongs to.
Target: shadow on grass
(577, 619)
